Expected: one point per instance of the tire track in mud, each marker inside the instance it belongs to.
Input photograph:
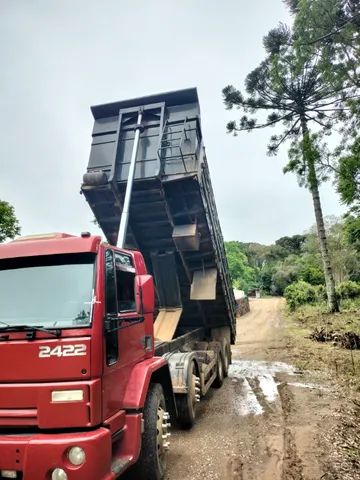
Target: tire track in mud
(234, 469)
(292, 468)
(268, 407)
(261, 391)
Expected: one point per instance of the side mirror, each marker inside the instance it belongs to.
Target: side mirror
(144, 294)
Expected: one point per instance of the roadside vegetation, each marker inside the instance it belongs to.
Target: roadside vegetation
(317, 340)
(307, 88)
(292, 266)
(335, 362)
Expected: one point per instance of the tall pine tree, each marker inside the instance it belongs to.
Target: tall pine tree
(292, 91)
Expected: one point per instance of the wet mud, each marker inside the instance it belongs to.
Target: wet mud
(265, 422)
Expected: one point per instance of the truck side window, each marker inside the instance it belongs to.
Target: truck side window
(125, 283)
(111, 338)
(110, 292)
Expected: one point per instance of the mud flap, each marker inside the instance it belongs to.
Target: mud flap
(203, 286)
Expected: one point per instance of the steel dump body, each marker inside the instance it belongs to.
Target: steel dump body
(173, 219)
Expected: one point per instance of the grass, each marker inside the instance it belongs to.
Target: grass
(317, 315)
(341, 365)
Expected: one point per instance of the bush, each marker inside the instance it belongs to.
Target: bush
(283, 277)
(320, 292)
(299, 293)
(312, 274)
(348, 289)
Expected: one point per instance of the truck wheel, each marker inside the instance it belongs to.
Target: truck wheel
(227, 359)
(152, 461)
(219, 372)
(186, 403)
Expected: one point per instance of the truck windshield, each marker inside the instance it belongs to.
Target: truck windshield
(51, 291)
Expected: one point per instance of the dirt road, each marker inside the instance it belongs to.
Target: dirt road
(265, 423)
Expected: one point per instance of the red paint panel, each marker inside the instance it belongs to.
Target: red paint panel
(130, 443)
(116, 376)
(116, 422)
(49, 246)
(37, 455)
(139, 263)
(63, 414)
(138, 382)
(18, 417)
(40, 335)
(45, 360)
(31, 404)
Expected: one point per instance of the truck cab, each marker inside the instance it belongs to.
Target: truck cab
(93, 368)
(77, 356)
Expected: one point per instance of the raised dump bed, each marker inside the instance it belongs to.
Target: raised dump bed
(173, 218)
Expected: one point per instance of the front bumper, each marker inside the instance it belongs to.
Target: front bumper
(35, 456)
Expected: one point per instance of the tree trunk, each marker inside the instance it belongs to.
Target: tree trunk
(314, 189)
(329, 279)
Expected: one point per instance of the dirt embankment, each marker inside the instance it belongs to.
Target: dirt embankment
(268, 421)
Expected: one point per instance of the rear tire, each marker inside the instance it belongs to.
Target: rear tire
(219, 380)
(186, 403)
(227, 359)
(152, 461)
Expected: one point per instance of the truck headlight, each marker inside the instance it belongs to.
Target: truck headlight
(67, 395)
(59, 474)
(76, 456)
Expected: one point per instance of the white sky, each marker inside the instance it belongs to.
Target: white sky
(60, 57)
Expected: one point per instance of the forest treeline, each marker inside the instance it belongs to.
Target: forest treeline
(297, 260)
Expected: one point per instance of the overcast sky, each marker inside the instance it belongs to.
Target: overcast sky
(60, 57)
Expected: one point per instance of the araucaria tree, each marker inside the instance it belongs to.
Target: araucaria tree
(332, 28)
(288, 89)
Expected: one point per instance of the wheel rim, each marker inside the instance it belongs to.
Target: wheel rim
(226, 361)
(163, 435)
(193, 387)
(220, 369)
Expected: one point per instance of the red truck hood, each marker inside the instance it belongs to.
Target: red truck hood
(32, 370)
(45, 359)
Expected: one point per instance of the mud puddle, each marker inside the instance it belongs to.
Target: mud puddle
(259, 381)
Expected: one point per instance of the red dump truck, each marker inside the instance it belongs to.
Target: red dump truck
(104, 344)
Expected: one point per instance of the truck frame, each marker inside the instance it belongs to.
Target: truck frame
(107, 346)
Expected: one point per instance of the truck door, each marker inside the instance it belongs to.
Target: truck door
(124, 328)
